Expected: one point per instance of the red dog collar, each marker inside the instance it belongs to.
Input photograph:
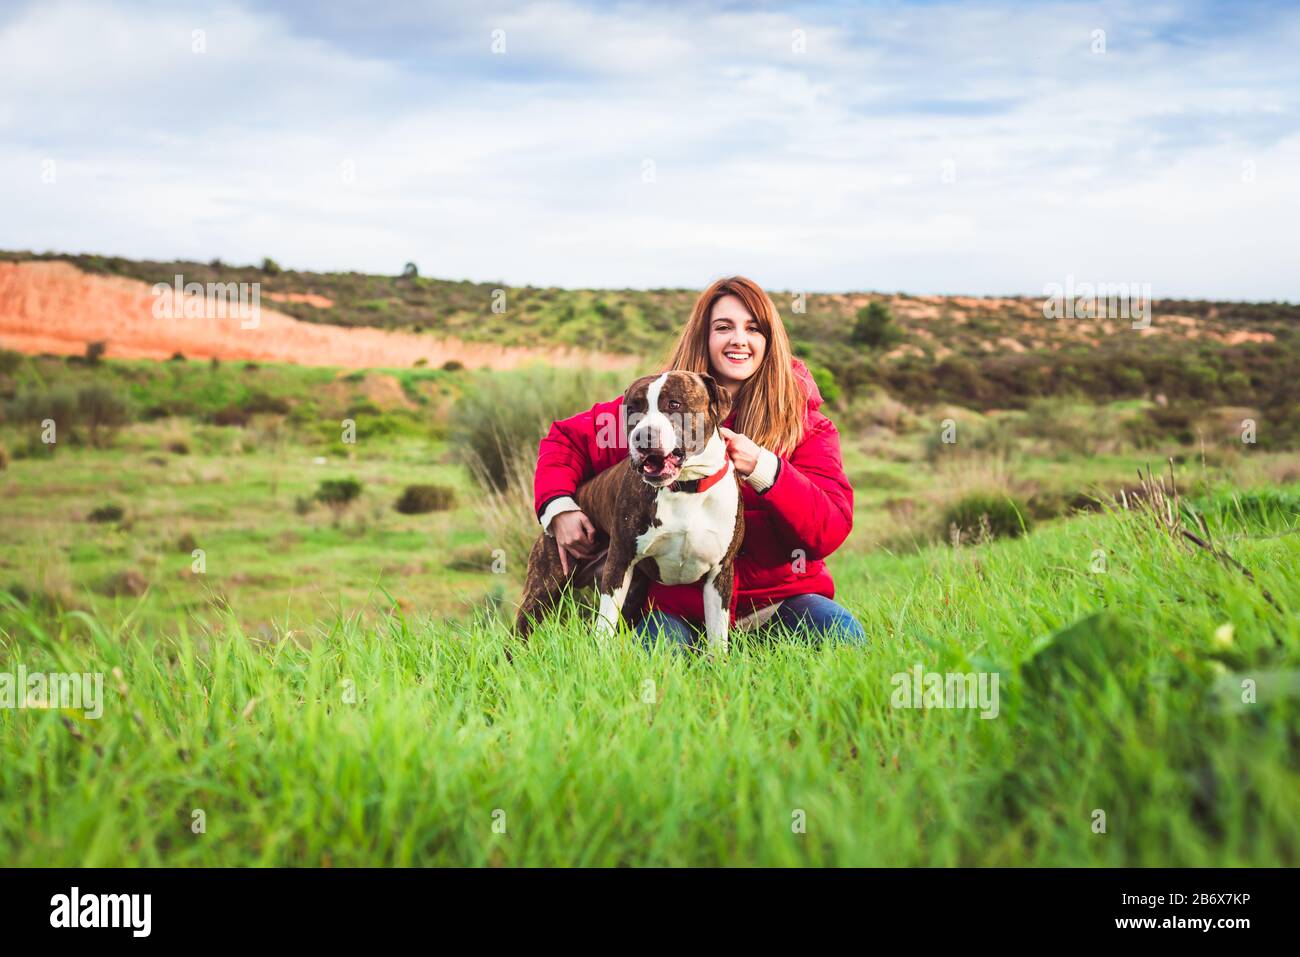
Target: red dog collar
(702, 484)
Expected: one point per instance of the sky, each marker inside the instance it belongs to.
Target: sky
(984, 149)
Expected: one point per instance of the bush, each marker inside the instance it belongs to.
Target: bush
(826, 383)
(187, 543)
(259, 403)
(95, 352)
(102, 411)
(1161, 424)
(974, 435)
(419, 499)
(106, 513)
(58, 404)
(231, 415)
(501, 417)
(875, 327)
(983, 515)
(338, 494)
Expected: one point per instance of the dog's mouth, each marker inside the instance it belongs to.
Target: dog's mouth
(659, 469)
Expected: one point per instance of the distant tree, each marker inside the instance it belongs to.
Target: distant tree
(338, 494)
(270, 266)
(102, 411)
(875, 327)
(410, 271)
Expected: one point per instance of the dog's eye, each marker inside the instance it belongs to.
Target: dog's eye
(673, 405)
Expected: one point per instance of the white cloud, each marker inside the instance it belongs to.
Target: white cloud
(821, 170)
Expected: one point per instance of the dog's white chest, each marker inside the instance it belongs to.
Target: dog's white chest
(693, 533)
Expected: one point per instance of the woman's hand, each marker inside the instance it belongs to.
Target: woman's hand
(742, 449)
(575, 535)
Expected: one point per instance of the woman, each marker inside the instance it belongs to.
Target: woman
(798, 501)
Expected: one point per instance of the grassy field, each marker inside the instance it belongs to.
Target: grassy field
(332, 689)
(413, 741)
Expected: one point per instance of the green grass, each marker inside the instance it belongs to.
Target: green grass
(335, 692)
(1115, 695)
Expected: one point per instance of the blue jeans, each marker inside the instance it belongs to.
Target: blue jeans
(811, 617)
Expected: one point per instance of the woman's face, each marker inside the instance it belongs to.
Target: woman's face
(736, 346)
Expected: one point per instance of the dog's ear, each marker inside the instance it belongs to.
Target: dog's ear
(719, 399)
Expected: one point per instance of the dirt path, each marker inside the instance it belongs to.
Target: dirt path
(55, 307)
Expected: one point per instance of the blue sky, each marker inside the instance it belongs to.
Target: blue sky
(922, 147)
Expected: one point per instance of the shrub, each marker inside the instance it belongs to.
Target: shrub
(982, 515)
(4, 458)
(178, 447)
(106, 513)
(102, 411)
(973, 435)
(502, 416)
(1161, 424)
(9, 361)
(58, 404)
(875, 327)
(338, 494)
(1068, 426)
(453, 365)
(826, 383)
(187, 543)
(419, 499)
(302, 504)
(270, 266)
(95, 352)
(231, 415)
(259, 402)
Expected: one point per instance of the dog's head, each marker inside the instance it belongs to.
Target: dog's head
(671, 417)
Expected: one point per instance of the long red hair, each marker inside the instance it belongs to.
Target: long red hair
(771, 405)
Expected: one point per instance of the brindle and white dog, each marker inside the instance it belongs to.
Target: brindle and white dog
(673, 513)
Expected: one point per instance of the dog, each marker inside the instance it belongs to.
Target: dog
(673, 511)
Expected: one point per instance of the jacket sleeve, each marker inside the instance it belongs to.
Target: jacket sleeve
(575, 449)
(811, 500)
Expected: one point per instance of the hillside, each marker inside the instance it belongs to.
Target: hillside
(980, 352)
(54, 307)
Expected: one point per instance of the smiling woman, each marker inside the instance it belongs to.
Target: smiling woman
(798, 502)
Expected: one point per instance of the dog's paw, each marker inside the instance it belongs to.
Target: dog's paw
(605, 627)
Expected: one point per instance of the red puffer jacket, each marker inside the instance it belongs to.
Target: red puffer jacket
(805, 515)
